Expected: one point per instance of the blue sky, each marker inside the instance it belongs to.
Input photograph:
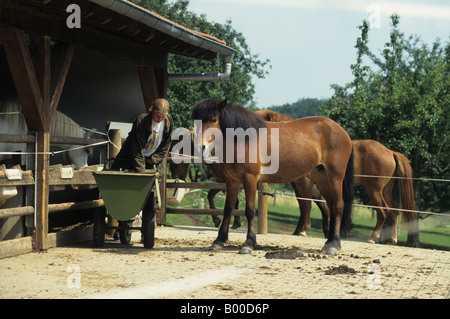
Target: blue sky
(310, 43)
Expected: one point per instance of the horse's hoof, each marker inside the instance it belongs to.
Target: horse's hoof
(303, 234)
(246, 250)
(330, 250)
(371, 241)
(217, 246)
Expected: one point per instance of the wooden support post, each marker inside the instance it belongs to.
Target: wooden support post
(149, 85)
(31, 77)
(262, 208)
(153, 83)
(161, 219)
(24, 76)
(41, 190)
(41, 62)
(63, 54)
(115, 136)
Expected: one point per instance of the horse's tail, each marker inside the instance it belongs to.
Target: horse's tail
(347, 194)
(406, 187)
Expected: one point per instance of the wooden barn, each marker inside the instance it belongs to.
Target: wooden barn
(96, 61)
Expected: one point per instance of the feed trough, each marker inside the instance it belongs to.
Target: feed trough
(125, 195)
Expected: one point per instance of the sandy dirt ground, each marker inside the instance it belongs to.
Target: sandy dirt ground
(181, 266)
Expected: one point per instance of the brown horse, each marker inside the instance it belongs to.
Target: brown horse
(180, 171)
(373, 158)
(272, 116)
(370, 158)
(314, 145)
(303, 187)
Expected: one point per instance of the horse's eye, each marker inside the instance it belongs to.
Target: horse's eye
(214, 120)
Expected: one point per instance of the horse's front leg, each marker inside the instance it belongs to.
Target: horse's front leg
(250, 187)
(232, 191)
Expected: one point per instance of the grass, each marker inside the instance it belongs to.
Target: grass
(284, 214)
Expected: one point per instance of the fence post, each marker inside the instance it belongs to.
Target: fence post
(262, 208)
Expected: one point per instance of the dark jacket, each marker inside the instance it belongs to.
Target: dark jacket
(131, 155)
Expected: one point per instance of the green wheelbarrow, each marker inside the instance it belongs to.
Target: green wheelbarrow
(125, 195)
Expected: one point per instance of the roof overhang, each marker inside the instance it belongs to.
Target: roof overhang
(116, 28)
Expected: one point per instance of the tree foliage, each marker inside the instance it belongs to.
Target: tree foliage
(238, 89)
(302, 108)
(402, 100)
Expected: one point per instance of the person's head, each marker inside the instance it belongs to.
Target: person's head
(159, 109)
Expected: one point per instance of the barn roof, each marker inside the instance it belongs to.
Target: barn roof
(144, 11)
(114, 27)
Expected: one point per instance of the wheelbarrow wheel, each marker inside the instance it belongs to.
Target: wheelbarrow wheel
(148, 223)
(99, 227)
(125, 234)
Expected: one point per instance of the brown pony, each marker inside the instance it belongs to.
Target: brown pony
(272, 116)
(180, 171)
(303, 187)
(373, 158)
(370, 158)
(316, 145)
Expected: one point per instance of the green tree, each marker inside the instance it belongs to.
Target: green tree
(302, 108)
(238, 89)
(402, 101)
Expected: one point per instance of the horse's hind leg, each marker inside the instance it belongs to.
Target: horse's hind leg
(377, 199)
(237, 219)
(303, 188)
(391, 214)
(216, 219)
(211, 194)
(330, 186)
(324, 211)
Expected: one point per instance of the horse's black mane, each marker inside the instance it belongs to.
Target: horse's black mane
(230, 116)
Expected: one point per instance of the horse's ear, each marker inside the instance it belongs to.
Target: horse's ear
(222, 104)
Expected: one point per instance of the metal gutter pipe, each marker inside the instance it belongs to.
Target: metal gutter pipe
(159, 23)
(209, 76)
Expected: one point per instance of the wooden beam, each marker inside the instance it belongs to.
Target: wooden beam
(149, 84)
(153, 82)
(63, 54)
(202, 211)
(195, 185)
(90, 37)
(41, 191)
(12, 138)
(15, 247)
(41, 61)
(163, 80)
(32, 81)
(24, 76)
(42, 73)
